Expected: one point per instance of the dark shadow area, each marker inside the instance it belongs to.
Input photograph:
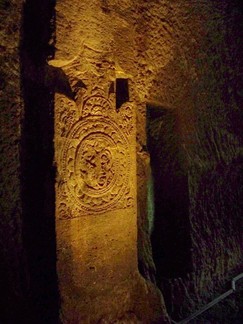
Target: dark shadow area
(122, 92)
(170, 238)
(37, 156)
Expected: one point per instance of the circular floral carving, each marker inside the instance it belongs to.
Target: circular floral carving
(95, 164)
(96, 105)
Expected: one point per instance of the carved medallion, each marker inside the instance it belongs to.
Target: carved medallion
(95, 164)
(96, 106)
(94, 156)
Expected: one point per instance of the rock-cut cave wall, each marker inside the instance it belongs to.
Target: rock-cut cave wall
(190, 75)
(179, 63)
(28, 252)
(13, 262)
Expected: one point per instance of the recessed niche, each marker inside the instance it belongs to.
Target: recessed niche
(122, 92)
(170, 238)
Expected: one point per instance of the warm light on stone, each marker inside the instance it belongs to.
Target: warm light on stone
(96, 205)
(121, 160)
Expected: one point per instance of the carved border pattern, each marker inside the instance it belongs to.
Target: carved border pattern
(95, 161)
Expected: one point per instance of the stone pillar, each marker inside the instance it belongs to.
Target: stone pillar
(95, 155)
(96, 194)
(96, 202)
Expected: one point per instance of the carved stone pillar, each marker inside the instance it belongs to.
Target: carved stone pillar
(95, 155)
(96, 201)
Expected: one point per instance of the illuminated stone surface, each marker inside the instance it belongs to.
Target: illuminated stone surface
(96, 191)
(179, 56)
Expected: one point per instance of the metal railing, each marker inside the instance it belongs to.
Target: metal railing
(212, 303)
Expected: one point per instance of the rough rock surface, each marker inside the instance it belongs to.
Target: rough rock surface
(12, 265)
(95, 144)
(182, 59)
(189, 64)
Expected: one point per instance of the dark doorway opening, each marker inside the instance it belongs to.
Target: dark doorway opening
(122, 92)
(37, 156)
(171, 243)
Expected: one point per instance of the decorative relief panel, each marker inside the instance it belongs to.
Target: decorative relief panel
(127, 118)
(94, 162)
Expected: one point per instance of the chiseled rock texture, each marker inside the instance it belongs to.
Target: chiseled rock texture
(12, 264)
(189, 64)
(27, 233)
(95, 154)
(183, 63)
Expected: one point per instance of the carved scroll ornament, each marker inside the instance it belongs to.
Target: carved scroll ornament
(95, 160)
